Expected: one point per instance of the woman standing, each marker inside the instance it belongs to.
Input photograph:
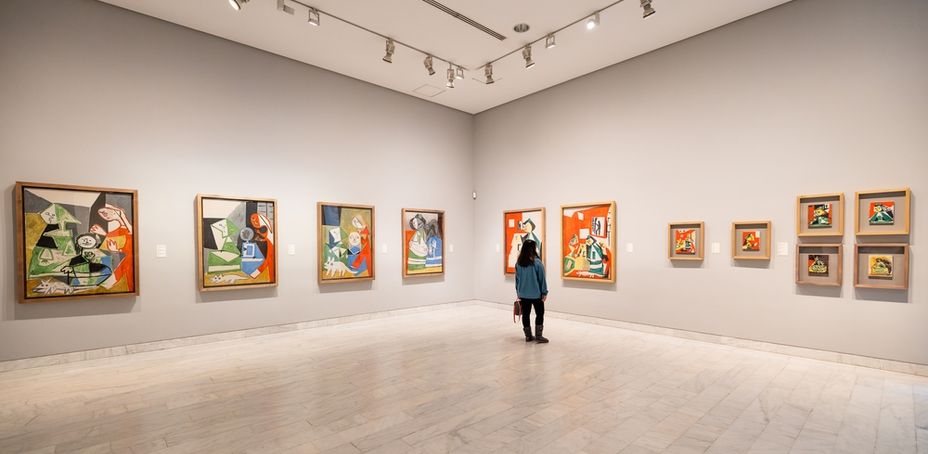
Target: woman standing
(532, 290)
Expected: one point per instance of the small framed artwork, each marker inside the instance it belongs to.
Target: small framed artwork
(423, 242)
(685, 240)
(750, 240)
(883, 212)
(881, 266)
(345, 243)
(588, 242)
(820, 215)
(236, 242)
(819, 264)
(75, 242)
(520, 226)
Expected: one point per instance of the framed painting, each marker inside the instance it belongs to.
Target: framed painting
(881, 266)
(423, 242)
(236, 242)
(588, 242)
(518, 227)
(685, 240)
(346, 242)
(819, 264)
(883, 212)
(75, 242)
(820, 215)
(750, 240)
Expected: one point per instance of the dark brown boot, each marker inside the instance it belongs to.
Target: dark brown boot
(538, 337)
(528, 334)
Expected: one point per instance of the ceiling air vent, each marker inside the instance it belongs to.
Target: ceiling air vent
(466, 19)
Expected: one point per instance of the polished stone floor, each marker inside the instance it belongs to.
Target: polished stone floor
(460, 380)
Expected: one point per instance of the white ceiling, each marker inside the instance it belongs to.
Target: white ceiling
(346, 50)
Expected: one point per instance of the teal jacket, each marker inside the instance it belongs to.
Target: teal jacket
(530, 281)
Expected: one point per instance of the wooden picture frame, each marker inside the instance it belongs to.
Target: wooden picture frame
(835, 253)
(899, 196)
(338, 271)
(431, 243)
(512, 239)
(806, 227)
(764, 242)
(572, 255)
(233, 270)
(114, 232)
(900, 251)
(699, 250)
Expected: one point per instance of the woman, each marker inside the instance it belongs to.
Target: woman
(532, 290)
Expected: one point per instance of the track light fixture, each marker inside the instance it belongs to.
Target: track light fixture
(450, 83)
(550, 41)
(428, 65)
(593, 21)
(527, 55)
(391, 47)
(488, 72)
(237, 4)
(648, 9)
(459, 73)
(281, 6)
(313, 17)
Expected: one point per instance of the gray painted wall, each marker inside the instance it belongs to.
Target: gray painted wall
(96, 95)
(811, 97)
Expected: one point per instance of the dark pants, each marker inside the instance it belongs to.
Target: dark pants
(539, 306)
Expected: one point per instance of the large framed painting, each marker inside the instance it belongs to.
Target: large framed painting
(883, 212)
(75, 242)
(236, 242)
(588, 242)
(423, 242)
(750, 240)
(881, 266)
(819, 264)
(820, 215)
(346, 242)
(518, 227)
(685, 240)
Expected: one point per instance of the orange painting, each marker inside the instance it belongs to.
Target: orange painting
(588, 242)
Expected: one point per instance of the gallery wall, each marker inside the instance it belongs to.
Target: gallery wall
(815, 96)
(96, 95)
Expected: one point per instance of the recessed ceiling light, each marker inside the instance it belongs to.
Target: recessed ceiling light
(521, 28)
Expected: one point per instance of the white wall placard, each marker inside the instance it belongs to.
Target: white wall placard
(161, 251)
(716, 248)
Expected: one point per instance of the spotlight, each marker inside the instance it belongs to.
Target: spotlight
(648, 9)
(313, 17)
(388, 57)
(593, 21)
(488, 72)
(281, 6)
(550, 41)
(450, 83)
(237, 4)
(527, 55)
(459, 73)
(428, 65)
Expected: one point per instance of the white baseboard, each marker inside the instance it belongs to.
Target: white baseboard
(801, 352)
(822, 355)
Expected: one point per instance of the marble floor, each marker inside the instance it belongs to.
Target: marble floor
(460, 380)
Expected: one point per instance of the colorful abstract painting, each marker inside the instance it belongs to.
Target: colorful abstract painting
(520, 226)
(880, 266)
(820, 215)
(588, 242)
(423, 240)
(818, 265)
(882, 213)
(236, 242)
(684, 241)
(750, 241)
(76, 241)
(346, 242)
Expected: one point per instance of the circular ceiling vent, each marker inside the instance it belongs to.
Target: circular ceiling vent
(521, 28)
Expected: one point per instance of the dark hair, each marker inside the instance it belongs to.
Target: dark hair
(528, 254)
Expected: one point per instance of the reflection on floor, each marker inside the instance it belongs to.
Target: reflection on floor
(460, 380)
